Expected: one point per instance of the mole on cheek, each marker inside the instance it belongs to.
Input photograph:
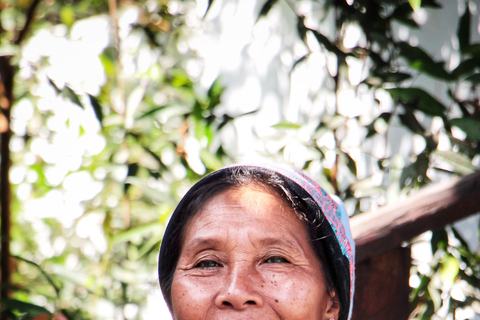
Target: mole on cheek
(276, 300)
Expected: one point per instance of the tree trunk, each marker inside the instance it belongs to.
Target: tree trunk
(6, 102)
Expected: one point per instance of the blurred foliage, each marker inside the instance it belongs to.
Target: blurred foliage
(147, 136)
(143, 132)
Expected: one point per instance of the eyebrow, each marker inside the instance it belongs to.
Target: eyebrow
(202, 244)
(205, 243)
(281, 242)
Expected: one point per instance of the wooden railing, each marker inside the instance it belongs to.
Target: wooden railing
(381, 237)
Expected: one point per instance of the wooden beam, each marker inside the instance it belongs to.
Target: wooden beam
(433, 207)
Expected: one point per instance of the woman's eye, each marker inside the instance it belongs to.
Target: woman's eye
(276, 260)
(207, 264)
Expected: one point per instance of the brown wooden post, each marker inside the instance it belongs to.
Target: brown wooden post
(382, 287)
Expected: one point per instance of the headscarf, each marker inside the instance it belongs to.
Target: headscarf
(339, 249)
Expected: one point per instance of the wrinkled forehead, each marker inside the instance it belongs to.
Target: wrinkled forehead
(254, 200)
(241, 208)
(239, 205)
(254, 191)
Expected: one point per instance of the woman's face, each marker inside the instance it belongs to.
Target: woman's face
(246, 255)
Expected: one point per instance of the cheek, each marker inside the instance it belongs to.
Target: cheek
(191, 299)
(296, 297)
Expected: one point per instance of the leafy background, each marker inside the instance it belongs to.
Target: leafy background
(120, 106)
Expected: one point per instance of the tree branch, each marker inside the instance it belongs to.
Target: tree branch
(30, 15)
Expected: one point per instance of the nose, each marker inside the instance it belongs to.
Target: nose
(239, 291)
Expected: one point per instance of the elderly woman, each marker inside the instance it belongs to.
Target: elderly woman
(257, 242)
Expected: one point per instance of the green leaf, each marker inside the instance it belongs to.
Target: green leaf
(266, 8)
(157, 158)
(200, 129)
(424, 282)
(67, 15)
(436, 300)
(421, 61)
(450, 268)
(463, 32)
(108, 58)
(419, 99)
(466, 67)
(70, 94)
(132, 172)
(352, 166)
(214, 94)
(473, 49)
(378, 77)
(36, 265)
(210, 160)
(415, 4)
(324, 41)
(468, 125)
(151, 112)
(57, 90)
(180, 79)
(461, 163)
(403, 14)
(421, 166)
(475, 78)
(286, 125)
(97, 108)
(23, 307)
(411, 122)
(137, 232)
(439, 240)
(470, 279)
(385, 117)
(151, 245)
(431, 4)
(209, 5)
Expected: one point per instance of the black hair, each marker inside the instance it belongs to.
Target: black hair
(235, 177)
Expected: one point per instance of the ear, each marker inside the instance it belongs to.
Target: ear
(333, 307)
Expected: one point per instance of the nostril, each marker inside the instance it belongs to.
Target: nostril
(227, 304)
